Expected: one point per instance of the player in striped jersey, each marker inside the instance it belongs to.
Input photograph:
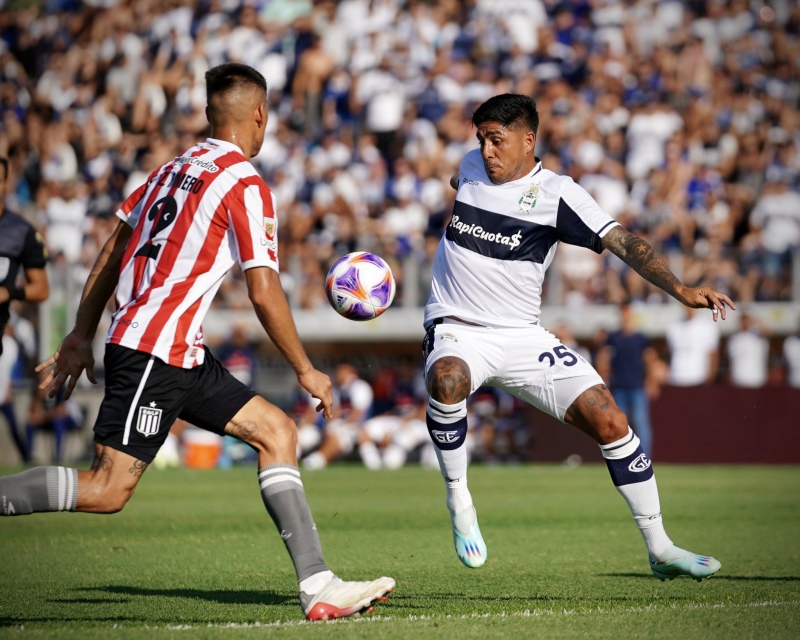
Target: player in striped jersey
(178, 236)
(482, 321)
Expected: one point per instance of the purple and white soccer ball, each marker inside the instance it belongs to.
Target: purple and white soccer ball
(360, 286)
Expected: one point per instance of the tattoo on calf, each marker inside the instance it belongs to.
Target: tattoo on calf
(448, 380)
(138, 468)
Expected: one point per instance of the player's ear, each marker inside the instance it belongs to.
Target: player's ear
(261, 115)
(530, 141)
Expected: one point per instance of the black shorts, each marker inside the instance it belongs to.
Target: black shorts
(144, 396)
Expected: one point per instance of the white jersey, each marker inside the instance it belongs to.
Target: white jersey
(192, 220)
(791, 352)
(490, 264)
(748, 353)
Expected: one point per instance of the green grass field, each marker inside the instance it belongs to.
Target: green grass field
(194, 555)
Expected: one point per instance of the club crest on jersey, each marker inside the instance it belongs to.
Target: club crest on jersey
(269, 227)
(148, 420)
(528, 200)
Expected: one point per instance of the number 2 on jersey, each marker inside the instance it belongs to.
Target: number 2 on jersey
(166, 209)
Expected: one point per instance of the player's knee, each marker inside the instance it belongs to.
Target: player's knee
(611, 426)
(448, 380)
(279, 435)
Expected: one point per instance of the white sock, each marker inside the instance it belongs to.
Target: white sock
(314, 584)
(315, 460)
(452, 462)
(370, 455)
(633, 476)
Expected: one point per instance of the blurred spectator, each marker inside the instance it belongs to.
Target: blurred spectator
(55, 415)
(499, 431)
(352, 405)
(680, 118)
(748, 354)
(791, 356)
(693, 344)
(631, 365)
(9, 355)
(776, 222)
(387, 439)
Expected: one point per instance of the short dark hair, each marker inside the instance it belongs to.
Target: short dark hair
(4, 164)
(230, 75)
(510, 110)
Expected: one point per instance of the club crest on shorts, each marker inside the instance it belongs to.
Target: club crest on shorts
(528, 199)
(148, 420)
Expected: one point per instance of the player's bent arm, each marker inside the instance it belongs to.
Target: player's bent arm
(642, 258)
(102, 282)
(37, 287)
(74, 354)
(273, 312)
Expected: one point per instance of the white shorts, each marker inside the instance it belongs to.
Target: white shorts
(529, 362)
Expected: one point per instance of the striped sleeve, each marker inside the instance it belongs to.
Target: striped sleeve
(131, 209)
(581, 221)
(254, 225)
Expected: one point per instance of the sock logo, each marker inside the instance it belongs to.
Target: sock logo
(8, 507)
(285, 536)
(445, 437)
(640, 463)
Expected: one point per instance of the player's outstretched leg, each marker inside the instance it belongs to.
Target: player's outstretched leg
(323, 595)
(632, 473)
(447, 425)
(39, 490)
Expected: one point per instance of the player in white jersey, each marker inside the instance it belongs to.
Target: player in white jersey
(177, 237)
(482, 321)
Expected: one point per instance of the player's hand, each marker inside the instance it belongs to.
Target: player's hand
(319, 386)
(70, 359)
(705, 298)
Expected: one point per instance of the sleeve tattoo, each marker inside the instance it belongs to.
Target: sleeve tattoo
(642, 258)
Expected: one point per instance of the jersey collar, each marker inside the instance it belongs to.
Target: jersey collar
(224, 144)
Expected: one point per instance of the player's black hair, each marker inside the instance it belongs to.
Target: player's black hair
(230, 75)
(510, 110)
(4, 164)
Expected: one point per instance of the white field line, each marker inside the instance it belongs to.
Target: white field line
(527, 613)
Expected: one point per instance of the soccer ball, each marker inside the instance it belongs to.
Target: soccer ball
(360, 286)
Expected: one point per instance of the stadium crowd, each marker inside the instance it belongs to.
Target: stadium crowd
(680, 118)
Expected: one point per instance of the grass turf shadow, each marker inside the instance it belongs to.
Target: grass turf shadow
(221, 596)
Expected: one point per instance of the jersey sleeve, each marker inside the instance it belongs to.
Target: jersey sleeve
(34, 253)
(581, 221)
(131, 209)
(254, 225)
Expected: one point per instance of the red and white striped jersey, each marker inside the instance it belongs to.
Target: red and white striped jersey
(193, 218)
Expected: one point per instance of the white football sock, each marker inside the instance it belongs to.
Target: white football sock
(632, 474)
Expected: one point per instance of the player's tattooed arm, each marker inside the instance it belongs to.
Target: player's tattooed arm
(642, 258)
